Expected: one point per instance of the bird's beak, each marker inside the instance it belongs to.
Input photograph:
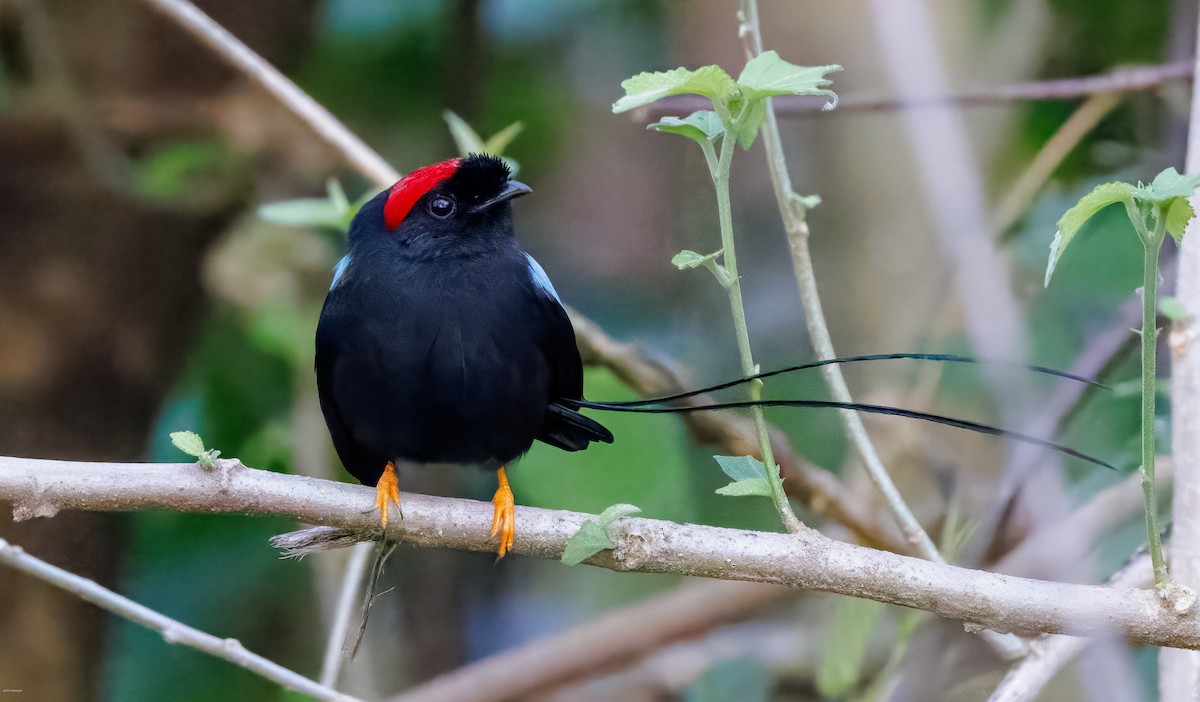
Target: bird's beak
(512, 188)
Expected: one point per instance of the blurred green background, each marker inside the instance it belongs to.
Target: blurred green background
(140, 294)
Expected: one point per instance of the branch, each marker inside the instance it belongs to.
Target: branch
(1048, 654)
(1178, 672)
(241, 57)
(172, 631)
(807, 561)
(601, 645)
(1122, 80)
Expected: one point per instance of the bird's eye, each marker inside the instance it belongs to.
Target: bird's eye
(441, 206)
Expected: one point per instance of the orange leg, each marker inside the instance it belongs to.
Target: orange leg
(504, 516)
(387, 490)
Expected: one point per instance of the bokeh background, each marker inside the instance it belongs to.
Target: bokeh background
(141, 293)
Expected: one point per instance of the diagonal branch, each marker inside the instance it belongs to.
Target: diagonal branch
(806, 561)
(172, 631)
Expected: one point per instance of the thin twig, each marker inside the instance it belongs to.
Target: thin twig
(348, 601)
(1121, 80)
(808, 560)
(1081, 122)
(796, 227)
(172, 631)
(1049, 654)
(598, 646)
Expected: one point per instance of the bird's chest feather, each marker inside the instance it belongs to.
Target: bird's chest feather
(442, 346)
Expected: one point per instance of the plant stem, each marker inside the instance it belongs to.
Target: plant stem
(1152, 243)
(734, 290)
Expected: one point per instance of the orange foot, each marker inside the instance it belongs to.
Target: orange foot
(387, 490)
(504, 516)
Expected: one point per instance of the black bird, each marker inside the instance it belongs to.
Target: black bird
(443, 342)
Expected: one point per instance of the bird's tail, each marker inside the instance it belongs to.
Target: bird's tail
(655, 405)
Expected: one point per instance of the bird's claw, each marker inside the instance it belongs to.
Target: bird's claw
(387, 490)
(504, 515)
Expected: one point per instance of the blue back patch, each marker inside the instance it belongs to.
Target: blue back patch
(339, 270)
(540, 279)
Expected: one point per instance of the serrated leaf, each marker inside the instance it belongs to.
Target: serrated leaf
(615, 512)
(644, 88)
(1173, 308)
(1069, 224)
(189, 442)
(700, 126)
(1179, 213)
(498, 142)
(741, 467)
(749, 487)
(466, 139)
(853, 625)
(687, 259)
(309, 212)
(1169, 184)
(767, 74)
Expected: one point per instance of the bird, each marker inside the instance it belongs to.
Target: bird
(443, 342)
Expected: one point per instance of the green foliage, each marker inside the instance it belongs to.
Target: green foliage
(191, 444)
(468, 140)
(1172, 308)
(739, 107)
(331, 212)
(766, 75)
(593, 536)
(854, 623)
(685, 260)
(1165, 199)
(749, 476)
(700, 126)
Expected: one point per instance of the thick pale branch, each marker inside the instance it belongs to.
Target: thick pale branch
(807, 560)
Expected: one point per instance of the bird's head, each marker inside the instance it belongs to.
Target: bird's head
(459, 200)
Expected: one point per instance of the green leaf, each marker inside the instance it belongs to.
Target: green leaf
(644, 88)
(498, 142)
(305, 213)
(615, 512)
(585, 543)
(593, 536)
(690, 259)
(854, 623)
(1169, 184)
(745, 129)
(749, 487)
(465, 138)
(767, 74)
(337, 196)
(700, 126)
(1179, 213)
(741, 679)
(189, 442)
(741, 467)
(1172, 308)
(1068, 225)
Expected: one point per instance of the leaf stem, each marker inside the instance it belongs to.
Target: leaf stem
(1153, 244)
(734, 290)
